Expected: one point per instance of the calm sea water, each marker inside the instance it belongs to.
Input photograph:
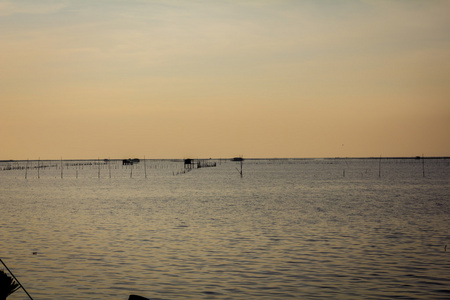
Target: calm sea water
(295, 229)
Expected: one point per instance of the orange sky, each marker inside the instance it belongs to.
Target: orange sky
(177, 79)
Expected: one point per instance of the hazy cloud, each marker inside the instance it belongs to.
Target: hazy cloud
(8, 8)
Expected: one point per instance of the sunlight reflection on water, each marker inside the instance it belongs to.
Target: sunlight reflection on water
(286, 229)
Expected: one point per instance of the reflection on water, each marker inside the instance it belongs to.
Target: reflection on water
(286, 229)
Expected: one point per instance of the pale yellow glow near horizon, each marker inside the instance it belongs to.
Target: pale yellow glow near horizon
(173, 79)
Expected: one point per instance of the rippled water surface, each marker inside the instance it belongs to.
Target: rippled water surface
(300, 229)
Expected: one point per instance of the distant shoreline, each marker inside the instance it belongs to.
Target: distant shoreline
(230, 158)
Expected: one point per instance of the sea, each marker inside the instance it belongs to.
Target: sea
(337, 228)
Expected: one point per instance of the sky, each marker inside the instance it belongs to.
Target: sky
(86, 79)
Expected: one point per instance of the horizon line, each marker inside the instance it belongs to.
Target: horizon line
(229, 158)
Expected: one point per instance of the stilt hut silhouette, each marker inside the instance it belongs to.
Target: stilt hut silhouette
(188, 163)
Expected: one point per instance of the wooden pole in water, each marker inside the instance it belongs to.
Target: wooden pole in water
(240, 171)
(423, 165)
(145, 168)
(98, 163)
(379, 167)
(39, 160)
(109, 167)
(61, 168)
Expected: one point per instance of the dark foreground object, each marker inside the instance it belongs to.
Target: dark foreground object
(136, 297)
(7, 285)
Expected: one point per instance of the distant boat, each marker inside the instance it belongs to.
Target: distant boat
(237, 159)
